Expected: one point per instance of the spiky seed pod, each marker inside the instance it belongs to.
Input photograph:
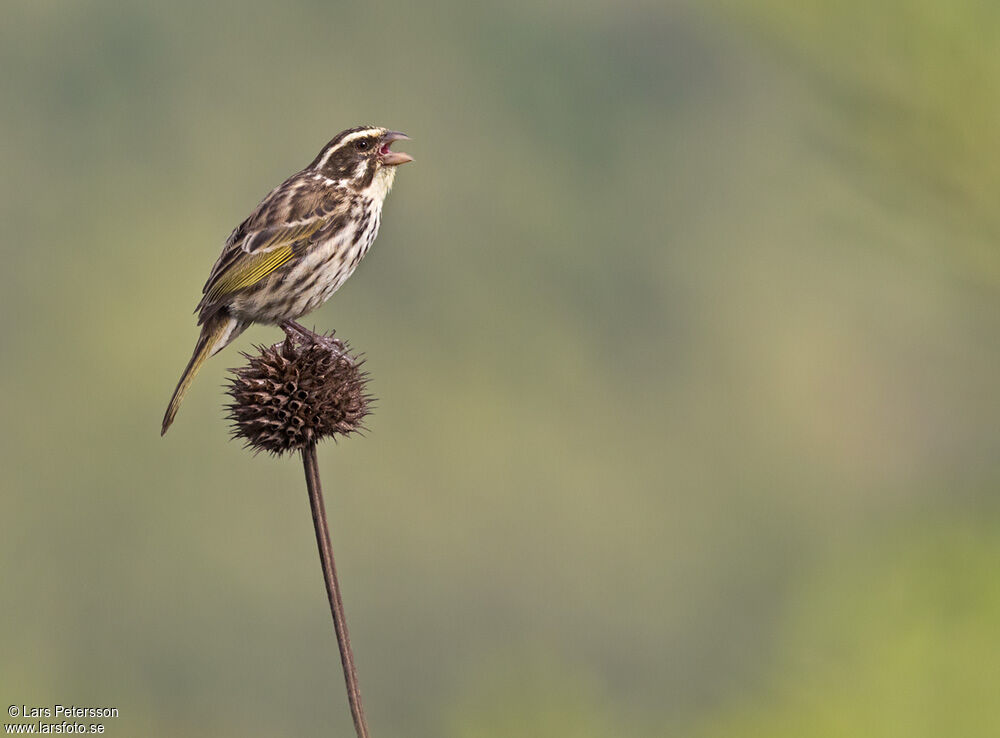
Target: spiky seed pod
(297, 392)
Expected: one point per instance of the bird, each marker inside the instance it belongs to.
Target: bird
(297, 247)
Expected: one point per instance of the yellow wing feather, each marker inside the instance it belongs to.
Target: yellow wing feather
(269, 251)
(249, 270)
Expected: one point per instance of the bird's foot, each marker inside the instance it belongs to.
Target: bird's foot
(291, 328)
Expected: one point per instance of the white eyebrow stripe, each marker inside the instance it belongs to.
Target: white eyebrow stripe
(367, 132)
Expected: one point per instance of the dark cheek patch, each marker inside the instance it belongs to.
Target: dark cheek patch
(366, 176)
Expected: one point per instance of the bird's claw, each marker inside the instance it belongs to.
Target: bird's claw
(334, 345)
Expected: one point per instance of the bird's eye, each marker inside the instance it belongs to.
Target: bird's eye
(363, 145)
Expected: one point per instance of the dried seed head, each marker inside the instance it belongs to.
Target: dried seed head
(297, 392)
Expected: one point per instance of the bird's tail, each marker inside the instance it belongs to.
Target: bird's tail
(215, 335)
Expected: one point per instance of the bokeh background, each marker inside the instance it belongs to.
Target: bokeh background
(684, 327)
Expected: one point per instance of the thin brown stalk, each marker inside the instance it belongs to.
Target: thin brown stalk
(333, 587)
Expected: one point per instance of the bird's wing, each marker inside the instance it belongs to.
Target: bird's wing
(261, 252)
(284, 222)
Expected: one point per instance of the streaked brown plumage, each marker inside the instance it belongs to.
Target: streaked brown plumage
(299, 245)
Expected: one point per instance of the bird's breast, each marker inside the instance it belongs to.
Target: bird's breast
(313, 277)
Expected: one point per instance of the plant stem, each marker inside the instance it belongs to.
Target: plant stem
(333, 588)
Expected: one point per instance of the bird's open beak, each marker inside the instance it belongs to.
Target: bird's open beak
(393, 158)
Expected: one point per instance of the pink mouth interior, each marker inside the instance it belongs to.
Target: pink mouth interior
(385, 149)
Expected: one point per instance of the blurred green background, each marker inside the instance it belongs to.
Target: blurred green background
(684, 328)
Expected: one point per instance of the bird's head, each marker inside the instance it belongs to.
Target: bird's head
(362, 158)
